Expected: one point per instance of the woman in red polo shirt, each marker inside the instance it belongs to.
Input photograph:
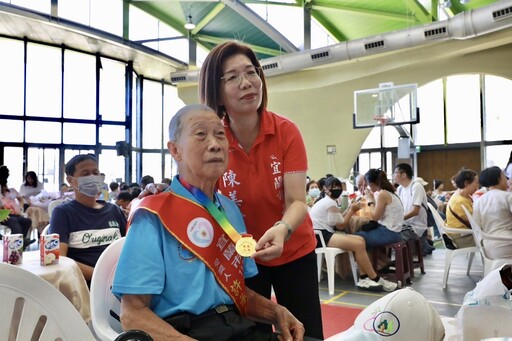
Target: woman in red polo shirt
(265, 177)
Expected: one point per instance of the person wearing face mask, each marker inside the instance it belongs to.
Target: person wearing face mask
(86, 226)
(327, 218)
(312, 193)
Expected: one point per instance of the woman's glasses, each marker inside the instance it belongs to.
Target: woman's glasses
(235, 79)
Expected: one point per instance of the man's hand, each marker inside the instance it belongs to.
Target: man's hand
(289, 327)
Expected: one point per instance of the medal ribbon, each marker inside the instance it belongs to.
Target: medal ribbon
(216, 213)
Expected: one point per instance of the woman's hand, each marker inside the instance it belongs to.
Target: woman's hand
(271, 244)
(152, 189)
(355, 206)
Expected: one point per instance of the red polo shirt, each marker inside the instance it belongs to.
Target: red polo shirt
(255, 181)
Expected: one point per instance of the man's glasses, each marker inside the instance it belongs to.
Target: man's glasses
(235, 79)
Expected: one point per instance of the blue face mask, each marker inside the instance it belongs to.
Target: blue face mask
(90, 185)
(314, 192)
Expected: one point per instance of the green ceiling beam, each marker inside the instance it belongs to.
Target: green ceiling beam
(160, 15)
(419, 12)
(329, 26)
(378, 14)
(219, 40)
(209, 17)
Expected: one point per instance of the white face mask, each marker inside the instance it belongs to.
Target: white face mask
(90, 185)
(314, 192)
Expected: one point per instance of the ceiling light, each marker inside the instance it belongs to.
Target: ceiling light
(447, 4)
(189, 25)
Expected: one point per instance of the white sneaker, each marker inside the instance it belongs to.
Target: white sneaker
(387, 285)
(368, 284)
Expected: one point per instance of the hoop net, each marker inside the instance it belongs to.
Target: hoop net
(382, 120)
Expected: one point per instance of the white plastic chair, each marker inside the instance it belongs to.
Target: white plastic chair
(33, 309)
(489, 263)
(452, 253)
(330, 254)
(53, 204)
(103, 302)
(45, 230)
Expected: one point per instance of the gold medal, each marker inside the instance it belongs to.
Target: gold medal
(246, 246)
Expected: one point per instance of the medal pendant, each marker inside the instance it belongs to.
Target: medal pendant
(245, 246)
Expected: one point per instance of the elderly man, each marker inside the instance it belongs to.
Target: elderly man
(181, 272)
(86, 226)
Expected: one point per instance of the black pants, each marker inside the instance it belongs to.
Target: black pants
(18, 225)
(296, 287)
(225, 326)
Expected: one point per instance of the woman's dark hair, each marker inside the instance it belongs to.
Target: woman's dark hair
(378, 177)
(211, 73)
(464, 177)
(332, 182)
(438, 183)
(32, 175)
(490, 176)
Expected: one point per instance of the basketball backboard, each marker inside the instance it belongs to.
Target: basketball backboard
(387, 105)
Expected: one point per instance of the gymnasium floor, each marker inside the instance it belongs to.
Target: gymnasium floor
(447, 302)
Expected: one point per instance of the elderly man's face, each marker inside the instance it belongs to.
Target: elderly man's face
(202, 148)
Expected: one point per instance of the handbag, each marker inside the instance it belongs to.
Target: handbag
(372, 224)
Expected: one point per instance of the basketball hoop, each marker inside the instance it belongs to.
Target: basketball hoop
(382, 120)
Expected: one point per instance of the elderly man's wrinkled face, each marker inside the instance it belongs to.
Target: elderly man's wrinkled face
(202, 147)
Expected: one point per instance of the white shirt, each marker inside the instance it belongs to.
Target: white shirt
(414, 195)
(393, 217)
(318, 213)
(493, 212)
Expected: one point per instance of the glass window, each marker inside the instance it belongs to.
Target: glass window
(172, 103)
(497, 108)
(142, 25)
(107, 15)
(292, 28)
(177, 48)
(375, 160)
(11, 82)
(319, 36)
(77, 133)
(112, 165)
(430, 130)
(75, 10)
(152, 115)
(12, 131)
(364, 163)
(45, 162)
(43, 6)
(69, 153)
(110, 134)
(152, 165)
(43, 132)
(112, 90)
(79, 85)
(497, 155)
(13, 157)
(463, 108)
(43, 81)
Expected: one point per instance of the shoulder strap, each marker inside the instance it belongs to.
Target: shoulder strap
(459, 218)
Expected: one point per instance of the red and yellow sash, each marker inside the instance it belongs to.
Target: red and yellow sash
(194, 227)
